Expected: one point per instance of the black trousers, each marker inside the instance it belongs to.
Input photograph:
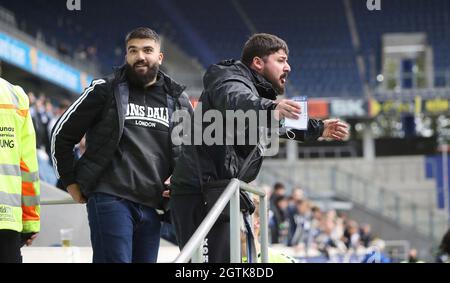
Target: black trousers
(10, 244)
(188, 212)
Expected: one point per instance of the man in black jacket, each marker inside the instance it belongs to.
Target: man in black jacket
(249, 85)
(127, 122)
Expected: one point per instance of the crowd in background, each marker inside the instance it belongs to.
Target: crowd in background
(295, 221)
(44, 113)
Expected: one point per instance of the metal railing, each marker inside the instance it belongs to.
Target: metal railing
(391, 204)
(194, 247)
(402, 207)
(396, 169)
(58, 201)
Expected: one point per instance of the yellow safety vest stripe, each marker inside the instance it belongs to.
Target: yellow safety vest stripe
(19, 187)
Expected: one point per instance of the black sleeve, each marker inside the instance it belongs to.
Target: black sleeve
(72, 126)
(236, 95)
(186, 103)
(314, 131)
(185, 106)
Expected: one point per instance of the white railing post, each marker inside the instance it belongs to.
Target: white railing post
(197, 257)
(235, 231)
(264, 233)
(193, 248)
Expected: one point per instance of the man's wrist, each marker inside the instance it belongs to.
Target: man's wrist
(67, 180)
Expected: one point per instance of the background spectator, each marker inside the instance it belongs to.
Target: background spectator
(278, 190)
(444, 249)
(366, 235)
(279, 223)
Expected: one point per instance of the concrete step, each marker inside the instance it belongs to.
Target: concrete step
(402, 180)
(425, 185)
(396, 169)
(424, 192)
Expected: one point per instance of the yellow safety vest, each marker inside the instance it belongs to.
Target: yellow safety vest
(19, 177)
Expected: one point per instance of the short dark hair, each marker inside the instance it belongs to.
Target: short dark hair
(315, 209)
(444, 247)
(279, 198)
(142, 33)
(278, 186)
(261, 45)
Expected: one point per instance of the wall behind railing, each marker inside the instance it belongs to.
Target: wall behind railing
(57, 217)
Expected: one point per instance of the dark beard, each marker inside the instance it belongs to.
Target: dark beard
(278, 89)
(141, 80)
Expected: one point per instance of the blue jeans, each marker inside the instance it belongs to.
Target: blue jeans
(121, 230)
(168, 233)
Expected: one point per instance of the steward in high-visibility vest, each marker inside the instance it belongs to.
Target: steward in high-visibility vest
(19, 177)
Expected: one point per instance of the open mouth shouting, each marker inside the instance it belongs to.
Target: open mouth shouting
(283, 78)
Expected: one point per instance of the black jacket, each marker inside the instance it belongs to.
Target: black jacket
(100, 114)
(229, 85)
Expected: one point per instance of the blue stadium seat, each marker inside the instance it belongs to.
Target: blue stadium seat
(321, 54)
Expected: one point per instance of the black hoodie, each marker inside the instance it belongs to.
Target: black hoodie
(229, 85)
(100, 113)
(140, 165)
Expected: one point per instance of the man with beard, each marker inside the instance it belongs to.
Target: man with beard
(251, 84)
(127, 121)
